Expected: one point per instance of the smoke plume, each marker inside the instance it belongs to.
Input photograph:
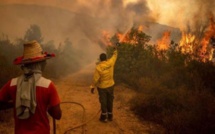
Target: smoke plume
(87, 20)
(182, 13)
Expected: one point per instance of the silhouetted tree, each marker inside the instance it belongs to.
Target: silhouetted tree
(33, 33)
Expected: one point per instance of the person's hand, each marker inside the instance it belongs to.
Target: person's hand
(92, 90)
(117, 44)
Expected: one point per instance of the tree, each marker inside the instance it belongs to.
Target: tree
(134, 56)
(33, 33)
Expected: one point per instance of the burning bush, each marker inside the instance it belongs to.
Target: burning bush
(174, 89)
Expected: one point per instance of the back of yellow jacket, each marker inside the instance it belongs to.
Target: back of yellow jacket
(103, 76)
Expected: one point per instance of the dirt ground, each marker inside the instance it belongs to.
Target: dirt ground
(74, 92)
(75, 88)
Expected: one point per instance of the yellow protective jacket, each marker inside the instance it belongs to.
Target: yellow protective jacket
(103, 76)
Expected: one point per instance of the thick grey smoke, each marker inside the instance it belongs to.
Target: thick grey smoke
(109, 15)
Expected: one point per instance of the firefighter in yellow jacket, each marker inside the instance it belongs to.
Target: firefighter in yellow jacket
(104, 81)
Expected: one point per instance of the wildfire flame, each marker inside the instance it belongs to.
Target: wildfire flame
(164, 42)
(210, 33)
(125, 37)
(122, 37)
(200, 48)
(187, 42)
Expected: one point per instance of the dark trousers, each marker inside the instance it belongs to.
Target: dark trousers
(106, 96)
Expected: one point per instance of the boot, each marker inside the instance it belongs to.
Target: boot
(110, 116)
(103, 117)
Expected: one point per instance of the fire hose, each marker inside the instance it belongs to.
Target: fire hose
(83, 119)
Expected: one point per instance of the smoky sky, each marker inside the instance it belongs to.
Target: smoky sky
(165, 11)
(82, 21)
(180, 13)
(89, 18)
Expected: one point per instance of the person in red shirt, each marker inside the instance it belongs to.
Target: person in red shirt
(32, 95)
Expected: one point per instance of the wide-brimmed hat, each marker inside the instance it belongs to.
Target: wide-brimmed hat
(33, 52)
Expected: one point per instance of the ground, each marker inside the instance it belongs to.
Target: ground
(74, 92)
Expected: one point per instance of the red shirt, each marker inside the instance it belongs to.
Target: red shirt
(46, 96)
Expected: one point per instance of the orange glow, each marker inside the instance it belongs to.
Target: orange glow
(199, 48)
(206, 40)
(164, 42)
(125, 37)
(106, 36)
(187, 42)
(140, 28)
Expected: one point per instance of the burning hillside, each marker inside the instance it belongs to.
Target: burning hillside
(198, 47)
(201, 48)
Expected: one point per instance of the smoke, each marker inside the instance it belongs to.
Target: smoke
(91, 17)
(80, 21)
(110, 15)
(182, 13)
(122, 14)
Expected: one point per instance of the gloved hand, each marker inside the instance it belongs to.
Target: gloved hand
(117, 44)
(92, 90)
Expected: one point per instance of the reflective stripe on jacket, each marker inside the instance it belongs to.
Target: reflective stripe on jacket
(103, 76)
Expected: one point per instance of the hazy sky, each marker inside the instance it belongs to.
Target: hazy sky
(169, 12)
(90, 17)
(93, 16)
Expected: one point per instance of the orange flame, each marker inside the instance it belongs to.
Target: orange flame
(164, 42)
(206, 41)
(125, 37)
(140, 28)
(198, 48)
(122, 37)
(187, 42)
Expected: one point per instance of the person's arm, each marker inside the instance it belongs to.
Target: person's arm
(6, 105)
(5, 102)
(54, 109)
(114, 56)
(4, 94)
(55, 112)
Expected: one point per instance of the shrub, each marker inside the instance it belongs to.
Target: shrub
(179, 111)
(174, 90)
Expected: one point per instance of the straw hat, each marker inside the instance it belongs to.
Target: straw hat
(33, 52)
